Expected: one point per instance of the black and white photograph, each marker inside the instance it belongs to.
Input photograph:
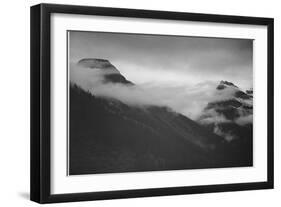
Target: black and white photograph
(130, 103)
(149, 102)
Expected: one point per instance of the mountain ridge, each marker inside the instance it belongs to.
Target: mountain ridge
(107, 135)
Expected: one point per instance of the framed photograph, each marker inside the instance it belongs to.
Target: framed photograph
(132, 103)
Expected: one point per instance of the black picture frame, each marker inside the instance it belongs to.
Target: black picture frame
(40, 102)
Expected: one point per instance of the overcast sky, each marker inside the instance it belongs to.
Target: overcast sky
(179, 72)
(174, 59)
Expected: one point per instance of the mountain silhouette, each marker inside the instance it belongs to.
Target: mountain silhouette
(109, 136)
(112, 75)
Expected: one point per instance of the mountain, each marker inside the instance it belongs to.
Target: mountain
(111, 75)
(107, 135)
(232, 109)
(231, 116)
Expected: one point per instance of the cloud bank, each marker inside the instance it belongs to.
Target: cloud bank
(187, 99)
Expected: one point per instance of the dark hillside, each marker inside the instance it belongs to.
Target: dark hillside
(109, 136)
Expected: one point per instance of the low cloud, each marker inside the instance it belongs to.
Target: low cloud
(189, 100)
(227, 136)
(243, 120)
(211, 117)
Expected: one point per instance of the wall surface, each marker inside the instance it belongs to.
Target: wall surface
(14, 104)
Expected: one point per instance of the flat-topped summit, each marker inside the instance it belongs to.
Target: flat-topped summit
(96, 63)
(112, 74)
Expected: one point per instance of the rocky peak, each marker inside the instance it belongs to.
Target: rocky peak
(250, 92)
(224, 84)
